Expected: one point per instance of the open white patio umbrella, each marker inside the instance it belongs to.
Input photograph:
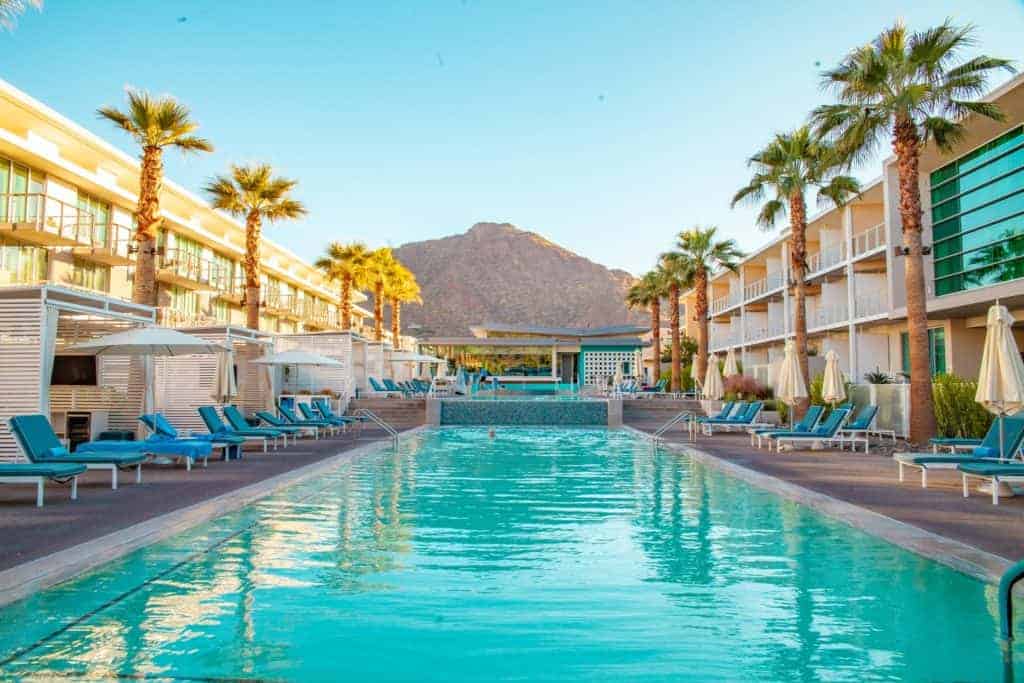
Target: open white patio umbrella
(730, 368)
(225, 387)
(713, 387)
(296, 357)
(833, 389)
(790, 386)
(1001, 380)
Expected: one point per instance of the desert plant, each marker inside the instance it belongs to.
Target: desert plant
(956, 412)
(745, 387)
(816, 389)
(876, 376)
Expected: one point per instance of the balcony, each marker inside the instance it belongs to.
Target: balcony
(827, 316)
(722, 341)
(186, 269)
(724, 303)
(281, 305)
(871, 304)
(319, 316)
(868, 241)
(770, 331)
(230, 289)
(110, 244)
(763, 286)
(826, 259)
(172, 317)
(38, 218)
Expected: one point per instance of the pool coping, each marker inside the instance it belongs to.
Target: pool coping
(21, 581)
(957, 555)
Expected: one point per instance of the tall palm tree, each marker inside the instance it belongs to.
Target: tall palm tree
(701, 253)
(10, 10)
(155, 123)
(401, 288)
(787, 168)
(675, 273)
(647, 293)
(910, 88)
(349, 265)
(379, 267)
(253, 193)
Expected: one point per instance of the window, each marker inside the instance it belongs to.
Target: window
(93, 276)
(94, 214)
(184, 300)
(978, 216)
(936, 350)
(221, 311)
(21, 264)
(223, 272)
(21, 191)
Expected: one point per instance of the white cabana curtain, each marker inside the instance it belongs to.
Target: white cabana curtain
(273, 387)
(47, 349)
(225, 387)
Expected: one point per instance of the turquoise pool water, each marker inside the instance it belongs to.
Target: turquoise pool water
(540, 555)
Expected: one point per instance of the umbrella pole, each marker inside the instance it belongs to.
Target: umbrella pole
(1001, 427)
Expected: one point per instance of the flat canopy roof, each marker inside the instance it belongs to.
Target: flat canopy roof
(582, 332)
(534, 341)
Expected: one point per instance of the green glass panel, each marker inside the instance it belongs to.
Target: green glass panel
(1008, 231)
(937, 344)
(993, 191)
(1005, 208)
(5, 179)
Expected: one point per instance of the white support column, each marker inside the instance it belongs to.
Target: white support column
(787, 313)
(743, 317)
(851, 294)
(554, 361)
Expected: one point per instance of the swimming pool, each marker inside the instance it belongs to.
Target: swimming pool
(542, 554)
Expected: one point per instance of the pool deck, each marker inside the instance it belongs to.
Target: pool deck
(871, 482)
(32, 536)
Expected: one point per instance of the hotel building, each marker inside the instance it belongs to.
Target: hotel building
(973, 201)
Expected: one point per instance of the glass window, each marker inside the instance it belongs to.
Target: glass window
(21, 264)
(95, 276)
(95, 215)
(221, 311)
(936, 350)
(184, 300)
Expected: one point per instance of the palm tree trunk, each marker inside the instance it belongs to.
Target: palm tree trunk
(346, 302)
(378, 310)
(673, 312)
(396, 320)
(252, 270)
(922, 411)
(150, 184)
(798, 257)
(701, 285)
(656, 338)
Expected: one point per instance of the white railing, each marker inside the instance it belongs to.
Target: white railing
(761, 287)
(756, 334)
(825, 259)
(718, 341)
(869, 240)
(871, 303)
(829, 315)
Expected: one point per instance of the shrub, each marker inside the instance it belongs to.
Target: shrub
(876, 376)
(957, 414)
(743, 386)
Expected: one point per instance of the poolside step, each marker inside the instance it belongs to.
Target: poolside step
(401, 413)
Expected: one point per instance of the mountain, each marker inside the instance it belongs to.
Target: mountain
(495, 272)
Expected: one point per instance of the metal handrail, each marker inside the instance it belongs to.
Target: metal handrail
(658, 433)
(373, 417)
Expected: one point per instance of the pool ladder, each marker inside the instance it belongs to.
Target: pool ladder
(681, 417)
(376, 419)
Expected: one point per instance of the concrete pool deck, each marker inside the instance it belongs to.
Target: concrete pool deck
(871, 482)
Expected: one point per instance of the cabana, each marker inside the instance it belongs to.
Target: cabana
(406, 365)
(337, 382)
(81, 394)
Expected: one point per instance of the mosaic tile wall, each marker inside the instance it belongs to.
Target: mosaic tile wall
(525, 412)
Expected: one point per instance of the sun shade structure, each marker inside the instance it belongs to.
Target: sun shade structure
(790, 386)
(149, 341)
(296, 357)
(833, 390)
(1001, 379)
(713, 388)
(730, 369)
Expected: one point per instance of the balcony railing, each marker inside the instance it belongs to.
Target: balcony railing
(868, 241)
(187, 269)
(230, 288)
(319, 315)
(870, 303)
(168, 316)
(109, 243)
(825, 259)
(39, 218)
(718, 341)
(761, 287)
(757, 333)
(829, 315)
(284, 305)
(722, 303)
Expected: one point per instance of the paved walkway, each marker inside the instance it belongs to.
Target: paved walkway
(28, 532)
(872, 482)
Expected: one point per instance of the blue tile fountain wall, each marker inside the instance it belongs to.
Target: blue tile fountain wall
(524, 412)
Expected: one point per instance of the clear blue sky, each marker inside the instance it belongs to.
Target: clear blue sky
(606, 127)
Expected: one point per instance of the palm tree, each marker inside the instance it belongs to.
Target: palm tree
(379, 267)
(700, 254)
(349, 265)
(647, 293)
(675, 272)
(252, 192)
(910, 88)
(401, 288)
(10, 10)
(787, 168)
(155, 123)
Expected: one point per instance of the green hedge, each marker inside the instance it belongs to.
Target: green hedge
(957, 414)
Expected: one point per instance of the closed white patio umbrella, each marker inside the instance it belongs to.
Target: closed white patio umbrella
(713, 387)
(225, 387)
(730, 369)
(694, 374)
(790, 386)
(833, 389)
(1001, 380)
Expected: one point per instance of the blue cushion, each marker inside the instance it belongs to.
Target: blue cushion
(985, 452)
(57, 452)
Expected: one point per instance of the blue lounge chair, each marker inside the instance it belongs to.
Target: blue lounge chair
(826, 431)
(240, 425)
(728, 408)
(291, 418)
(806, 424)
(40, 444)
(274, 422)
(324, 409)
(391, 386)
(161, 427)
(858, 429)
(987, 451)
(994, 473)
(741, 420)
(218, 428)
(377, 388)
(311, 415)
(40, 473)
